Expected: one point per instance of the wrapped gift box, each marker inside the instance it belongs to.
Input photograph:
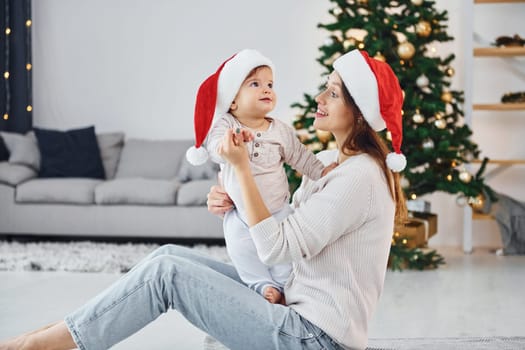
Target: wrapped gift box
(428, 219)
(417, 229)
(418, 205)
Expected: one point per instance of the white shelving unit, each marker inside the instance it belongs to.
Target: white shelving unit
(471, 106)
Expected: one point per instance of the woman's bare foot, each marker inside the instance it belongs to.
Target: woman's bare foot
(53, 336)
(272, 295)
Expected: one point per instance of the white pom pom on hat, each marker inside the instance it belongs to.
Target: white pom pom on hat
(376, 91)
(216, 94)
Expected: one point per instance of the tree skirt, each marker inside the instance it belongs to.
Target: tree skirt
(82, 256)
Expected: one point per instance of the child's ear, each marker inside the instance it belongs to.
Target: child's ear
(233, 106)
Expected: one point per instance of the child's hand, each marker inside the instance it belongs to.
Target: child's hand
(328, 169)
(246, 135)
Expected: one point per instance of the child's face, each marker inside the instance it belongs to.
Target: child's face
(256, 96)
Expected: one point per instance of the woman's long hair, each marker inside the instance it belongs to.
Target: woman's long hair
(364, 139)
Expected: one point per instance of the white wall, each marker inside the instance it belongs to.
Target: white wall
(135, 65)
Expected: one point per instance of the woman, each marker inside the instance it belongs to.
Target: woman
(337, 238)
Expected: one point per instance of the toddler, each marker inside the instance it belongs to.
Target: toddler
(239, 96)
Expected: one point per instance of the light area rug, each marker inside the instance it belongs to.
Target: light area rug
(458, 343)
(83, 256)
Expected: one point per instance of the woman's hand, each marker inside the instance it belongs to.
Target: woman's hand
(218, 201)
(233, 149)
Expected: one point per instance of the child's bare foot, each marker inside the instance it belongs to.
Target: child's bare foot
(272, 295)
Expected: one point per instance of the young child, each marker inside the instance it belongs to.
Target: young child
(238, 96)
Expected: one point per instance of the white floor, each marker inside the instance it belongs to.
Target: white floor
(473, 295)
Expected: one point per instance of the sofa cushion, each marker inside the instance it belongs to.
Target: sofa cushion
(70, 191)
(189, 172)
(72, 153)
(110, 145)
(13, 174)
(194, 193)
(151, 159)
(4, 152)
(23, 149)
(137, 191)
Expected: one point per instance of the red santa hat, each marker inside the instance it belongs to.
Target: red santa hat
(216, 94)
(376, 91)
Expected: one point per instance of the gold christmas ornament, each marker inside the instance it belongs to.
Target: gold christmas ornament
(422, 81)
(461, 200)
(303, 138)
(450, 72)
(379, 56)
(418, 118)
(423, 29)
(477, 203)
(362, 2)
(440, 123)
(323, 136)
(417, 2)
(428, 144)
(406, 50)
(298, 125)
(446, 96)
(465, 176)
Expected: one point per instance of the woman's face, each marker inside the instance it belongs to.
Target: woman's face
(333, 113)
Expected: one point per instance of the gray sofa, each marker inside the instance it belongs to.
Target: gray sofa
(150, 191)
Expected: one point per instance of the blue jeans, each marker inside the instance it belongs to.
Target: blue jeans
(206, 292)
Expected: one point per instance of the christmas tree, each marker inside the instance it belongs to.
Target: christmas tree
(436, 139)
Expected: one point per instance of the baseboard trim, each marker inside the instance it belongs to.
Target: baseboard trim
(109, 239)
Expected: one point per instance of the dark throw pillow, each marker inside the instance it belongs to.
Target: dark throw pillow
(4, 152)
(72, 153)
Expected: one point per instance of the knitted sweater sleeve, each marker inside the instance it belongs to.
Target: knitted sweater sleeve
(340, 206)
(215, 135)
